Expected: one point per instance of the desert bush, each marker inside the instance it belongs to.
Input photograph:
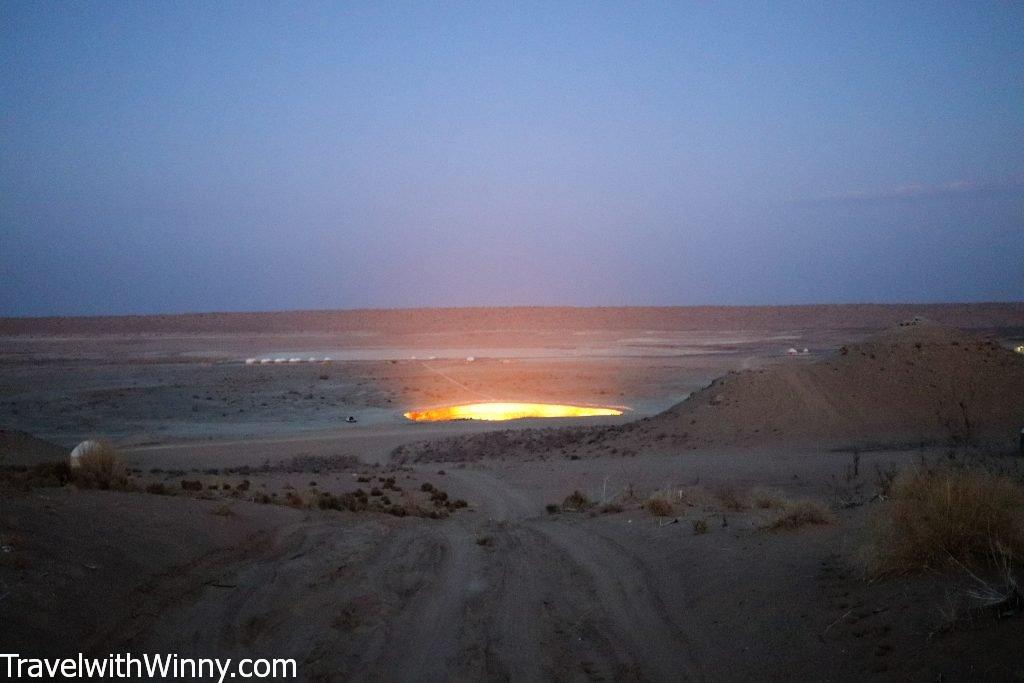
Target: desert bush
(731, 499)
(701, 526)
(156, 488)
(802, 513)
(294, 500)
(194, 485)
(101, 468)
(940, 515)
(353, 502)
(611, 509)
(576, 502)
(767, 499)
(43, 475)
(328, 501)
(552, 508)
(223, 510)
(658, 506)
(694, 496)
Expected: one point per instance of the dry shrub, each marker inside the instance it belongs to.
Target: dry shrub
(767, 499)
(731, 499)
(355, 501)
(42, 475)
(695, 496)
(101, 468)
(294, 500)
(701, 526)
(576, 502)
(157, 488)
(223, 510)
(658, 506)
(611, 509)
(942, 515)
(802, 513)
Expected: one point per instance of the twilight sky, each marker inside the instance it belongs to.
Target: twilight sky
(169, 157)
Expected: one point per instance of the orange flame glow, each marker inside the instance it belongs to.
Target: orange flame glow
(506, 411)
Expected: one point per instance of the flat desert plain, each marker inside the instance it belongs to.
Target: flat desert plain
(723, 527)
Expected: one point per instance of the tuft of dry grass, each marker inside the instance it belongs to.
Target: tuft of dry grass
(731, 499)
(101, 468)
(936, 516)
(767, 499)
(658, 506)
(576, 502)
(223, 510)
(701, 526)
(42, 475)
(695, 496)
(802, 513)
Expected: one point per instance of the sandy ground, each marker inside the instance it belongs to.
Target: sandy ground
(498, 590)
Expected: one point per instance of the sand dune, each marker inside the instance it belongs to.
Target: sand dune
(915, 383)
(906, 386)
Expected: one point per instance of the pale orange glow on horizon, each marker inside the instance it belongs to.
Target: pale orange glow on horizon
(497, 411)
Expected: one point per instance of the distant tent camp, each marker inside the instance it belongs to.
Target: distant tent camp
(83, 448)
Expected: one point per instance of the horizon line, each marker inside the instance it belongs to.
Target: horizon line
(398, 309)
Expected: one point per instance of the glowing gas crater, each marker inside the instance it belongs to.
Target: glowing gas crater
(506, 411)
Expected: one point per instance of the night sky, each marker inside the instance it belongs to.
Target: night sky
(171, 157)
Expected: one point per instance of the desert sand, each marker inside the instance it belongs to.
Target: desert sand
(230, 552)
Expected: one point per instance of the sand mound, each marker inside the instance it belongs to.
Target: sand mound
(21, 448)
(911, 383)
